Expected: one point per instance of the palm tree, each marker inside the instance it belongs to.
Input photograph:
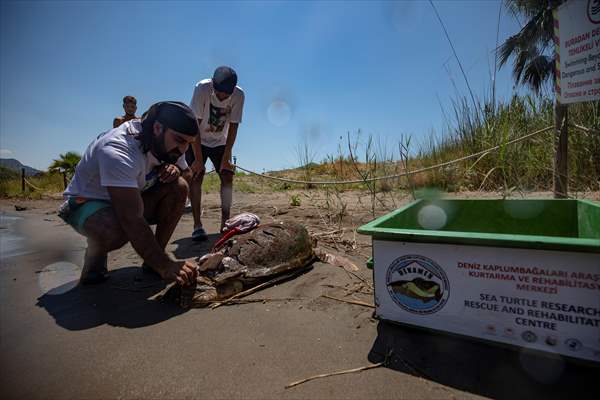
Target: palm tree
(65, 165)
(533, 47)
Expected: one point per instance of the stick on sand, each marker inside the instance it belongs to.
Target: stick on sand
(262, 285)
(348, 371)
(359, 303)
(261, 300)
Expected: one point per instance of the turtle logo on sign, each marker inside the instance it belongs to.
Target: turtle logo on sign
(417, 284)
(593, 11)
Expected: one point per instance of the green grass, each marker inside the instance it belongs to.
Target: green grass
(242, 182)
(524, 166)
(295, 200)
(49, 183)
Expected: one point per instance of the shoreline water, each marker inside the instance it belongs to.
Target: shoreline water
(12, 244)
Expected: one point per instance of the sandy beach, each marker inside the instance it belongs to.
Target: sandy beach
(58, 340)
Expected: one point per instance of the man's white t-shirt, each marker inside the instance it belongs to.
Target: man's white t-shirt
(216, 115)
(115, 158)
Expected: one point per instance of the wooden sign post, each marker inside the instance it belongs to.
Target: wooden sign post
(561, 145)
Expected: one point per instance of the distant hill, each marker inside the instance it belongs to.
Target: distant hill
(15, 165)
(8, 174)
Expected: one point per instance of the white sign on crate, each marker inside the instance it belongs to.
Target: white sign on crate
(577, 45)
(539, 299)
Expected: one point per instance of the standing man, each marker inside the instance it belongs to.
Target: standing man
(129, 178)
(130, 107)
(218, 104)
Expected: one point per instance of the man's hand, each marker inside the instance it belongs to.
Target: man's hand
(167, 173)
(226, 165)
(182, 272)
(198, 169)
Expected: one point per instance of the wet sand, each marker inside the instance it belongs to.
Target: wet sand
(58, 340)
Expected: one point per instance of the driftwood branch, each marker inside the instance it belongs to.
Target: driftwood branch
(261, 300)
(336, 260)
(258, 287)
(347, 371)
(358, 303)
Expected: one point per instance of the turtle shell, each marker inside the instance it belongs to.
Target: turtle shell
(271, 249)
(246, 260)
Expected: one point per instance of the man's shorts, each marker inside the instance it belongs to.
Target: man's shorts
(214, 153)
(76, 211)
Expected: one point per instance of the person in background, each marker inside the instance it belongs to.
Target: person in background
(129, 178)
(130, 107)
(218, 104)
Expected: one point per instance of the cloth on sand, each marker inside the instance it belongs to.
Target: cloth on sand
(241, 223)
(244, 222)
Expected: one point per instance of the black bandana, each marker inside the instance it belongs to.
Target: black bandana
(171, 114)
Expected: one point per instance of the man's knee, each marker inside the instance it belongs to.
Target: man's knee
(198, 179)
(179, 189)
(114, 242)
(104, 231)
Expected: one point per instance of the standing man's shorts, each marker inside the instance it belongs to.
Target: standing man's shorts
(214, 153)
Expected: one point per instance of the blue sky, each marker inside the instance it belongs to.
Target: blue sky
(312, 71)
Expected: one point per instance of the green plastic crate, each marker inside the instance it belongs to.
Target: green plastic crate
(541, 224)
(524, 273)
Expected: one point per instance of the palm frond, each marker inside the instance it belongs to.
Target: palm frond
(65, 163)
(537, 71)
(531, 66)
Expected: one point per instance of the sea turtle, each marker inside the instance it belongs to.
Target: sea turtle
(246, 260)
(419, 289)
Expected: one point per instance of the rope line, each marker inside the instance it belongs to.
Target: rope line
(33, 186)
(584, 129)
(406, 173)
(413, 172)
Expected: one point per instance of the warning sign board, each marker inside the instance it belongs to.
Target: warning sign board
(577, 44)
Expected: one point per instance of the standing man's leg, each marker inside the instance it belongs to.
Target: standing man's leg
(216, 155)
(226, 195)
(195, 193)
(226, 177)
(196, 199)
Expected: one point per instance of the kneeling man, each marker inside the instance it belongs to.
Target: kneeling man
(129, 178)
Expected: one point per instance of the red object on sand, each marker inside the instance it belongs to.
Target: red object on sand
(224, 238)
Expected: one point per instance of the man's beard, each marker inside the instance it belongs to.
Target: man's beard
(161, 153)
